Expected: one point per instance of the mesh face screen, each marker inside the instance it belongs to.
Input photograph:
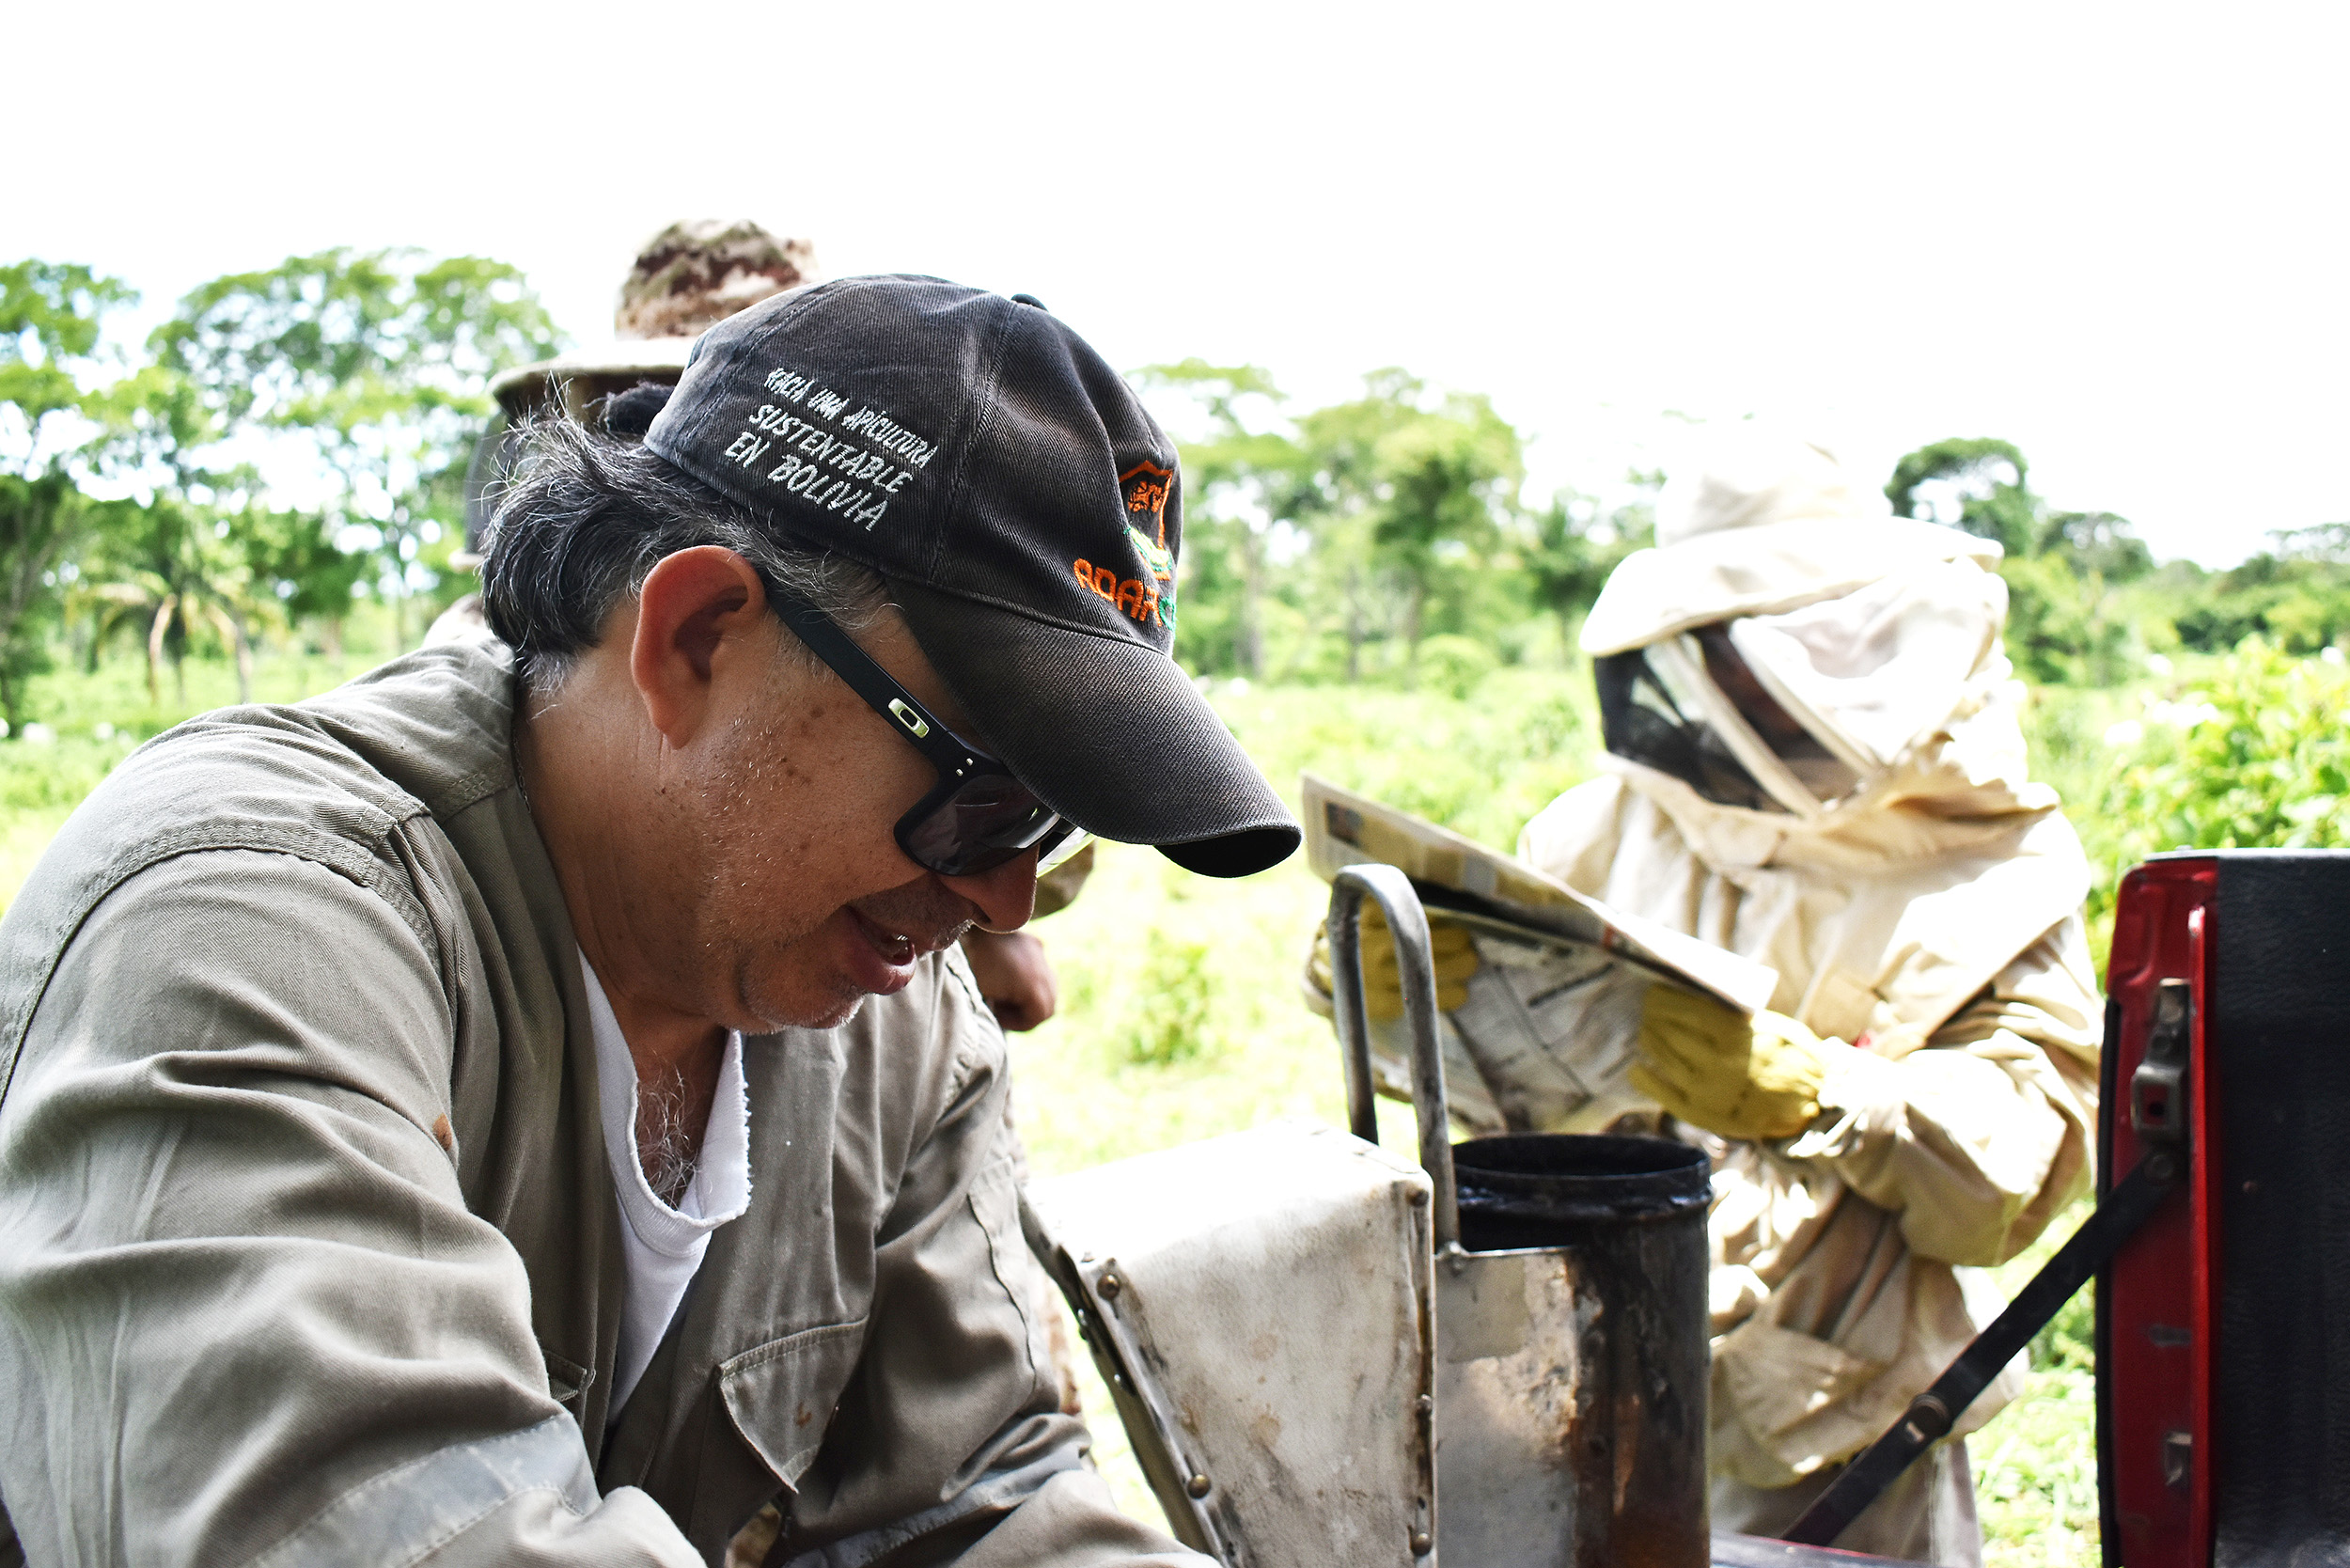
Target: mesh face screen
(1644, 720)
(1650, 715)
(1814, 766)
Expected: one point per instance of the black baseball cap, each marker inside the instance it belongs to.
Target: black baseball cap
(1026, 511)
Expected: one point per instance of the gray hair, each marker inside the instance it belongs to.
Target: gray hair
(587, 516)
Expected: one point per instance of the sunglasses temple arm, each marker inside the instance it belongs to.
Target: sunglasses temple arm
(863, 676)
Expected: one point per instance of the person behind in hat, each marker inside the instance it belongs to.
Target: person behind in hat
(527, 1105)
(1813, 760)
(685, 280)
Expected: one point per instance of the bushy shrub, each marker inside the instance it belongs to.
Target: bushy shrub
(1455, 666)
(1174, 1015)
(1480, 767)
(2256, 756)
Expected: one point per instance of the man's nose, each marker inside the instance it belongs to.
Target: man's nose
(1005, 897)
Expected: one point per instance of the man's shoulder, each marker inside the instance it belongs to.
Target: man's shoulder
(427, 733)
(330, 780)
(434, 727)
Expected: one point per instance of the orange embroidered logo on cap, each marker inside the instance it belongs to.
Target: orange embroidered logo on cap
(1144, 486)
(1150, 597)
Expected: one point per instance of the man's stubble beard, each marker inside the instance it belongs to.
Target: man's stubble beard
(747, 856)
(743, 926)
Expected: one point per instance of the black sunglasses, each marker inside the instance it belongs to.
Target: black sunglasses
(979, 815)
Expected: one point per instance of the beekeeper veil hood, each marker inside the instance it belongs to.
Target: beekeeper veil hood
(1789, 645)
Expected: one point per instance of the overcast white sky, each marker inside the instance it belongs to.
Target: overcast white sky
(2112, 234)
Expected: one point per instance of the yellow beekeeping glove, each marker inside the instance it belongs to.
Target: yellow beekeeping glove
(1383, 983)
(1712, 1066)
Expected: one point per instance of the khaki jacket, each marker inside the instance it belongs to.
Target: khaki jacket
(308, 1252)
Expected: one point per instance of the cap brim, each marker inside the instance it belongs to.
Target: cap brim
(1108, 733)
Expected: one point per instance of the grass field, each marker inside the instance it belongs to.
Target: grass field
(1180, 1012)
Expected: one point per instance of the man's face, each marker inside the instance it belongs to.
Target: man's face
(772, 889)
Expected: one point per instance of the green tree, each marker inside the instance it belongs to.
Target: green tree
(2295, 593)
(211, 558)
(1341, 444)
(1572, 546)
(2064, 622)
(1450, 479)
(2096, 543)
(56, 431)
(1408, 489)
(374, 368)
(1989, 475)
(1241, 488)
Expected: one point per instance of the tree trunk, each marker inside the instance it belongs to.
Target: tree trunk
(234, 626)
(155, 646)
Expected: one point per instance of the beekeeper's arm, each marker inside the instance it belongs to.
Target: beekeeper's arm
(1975, 1139)
(1982, 1136)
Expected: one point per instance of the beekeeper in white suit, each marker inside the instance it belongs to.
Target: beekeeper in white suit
(1814, 760)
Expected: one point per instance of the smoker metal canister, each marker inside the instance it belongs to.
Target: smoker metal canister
(1630, 1213)
(1571, 1276)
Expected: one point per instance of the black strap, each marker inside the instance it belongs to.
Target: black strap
(2159, 1114)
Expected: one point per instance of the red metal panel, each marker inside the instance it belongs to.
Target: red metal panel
(2159, 1311)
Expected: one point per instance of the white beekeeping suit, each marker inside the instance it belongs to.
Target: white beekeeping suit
(1815, 763)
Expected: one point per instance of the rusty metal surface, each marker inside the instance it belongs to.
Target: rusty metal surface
(1509, 1390)
(1628, 1215)
(1261, 1307)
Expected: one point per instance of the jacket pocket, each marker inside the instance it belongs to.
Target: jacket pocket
(782, 1395)
(1801, 1401)
(566, 1380)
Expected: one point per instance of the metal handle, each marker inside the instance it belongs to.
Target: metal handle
(1416, 966)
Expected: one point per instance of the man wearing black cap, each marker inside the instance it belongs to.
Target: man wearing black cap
(524, 1108)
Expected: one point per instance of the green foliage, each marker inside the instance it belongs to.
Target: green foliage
(1175, 1018)
(1993, 507)
(374, 369)
(2065, 621)
(1455, 666)
(2096, 543)
(2036, 1464)
(1416, 494)
(2059, 628)
(51, 316)
(368, 372)
(1570, 548)
(2295, 594)
(54, 431)
(1243, 489)
(1389, 517)
(38, 519)
(1480, 767)
(2255, 755)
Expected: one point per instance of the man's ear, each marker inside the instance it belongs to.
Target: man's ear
(700, 609)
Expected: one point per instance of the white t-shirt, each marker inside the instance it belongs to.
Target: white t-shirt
(660, 1247)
